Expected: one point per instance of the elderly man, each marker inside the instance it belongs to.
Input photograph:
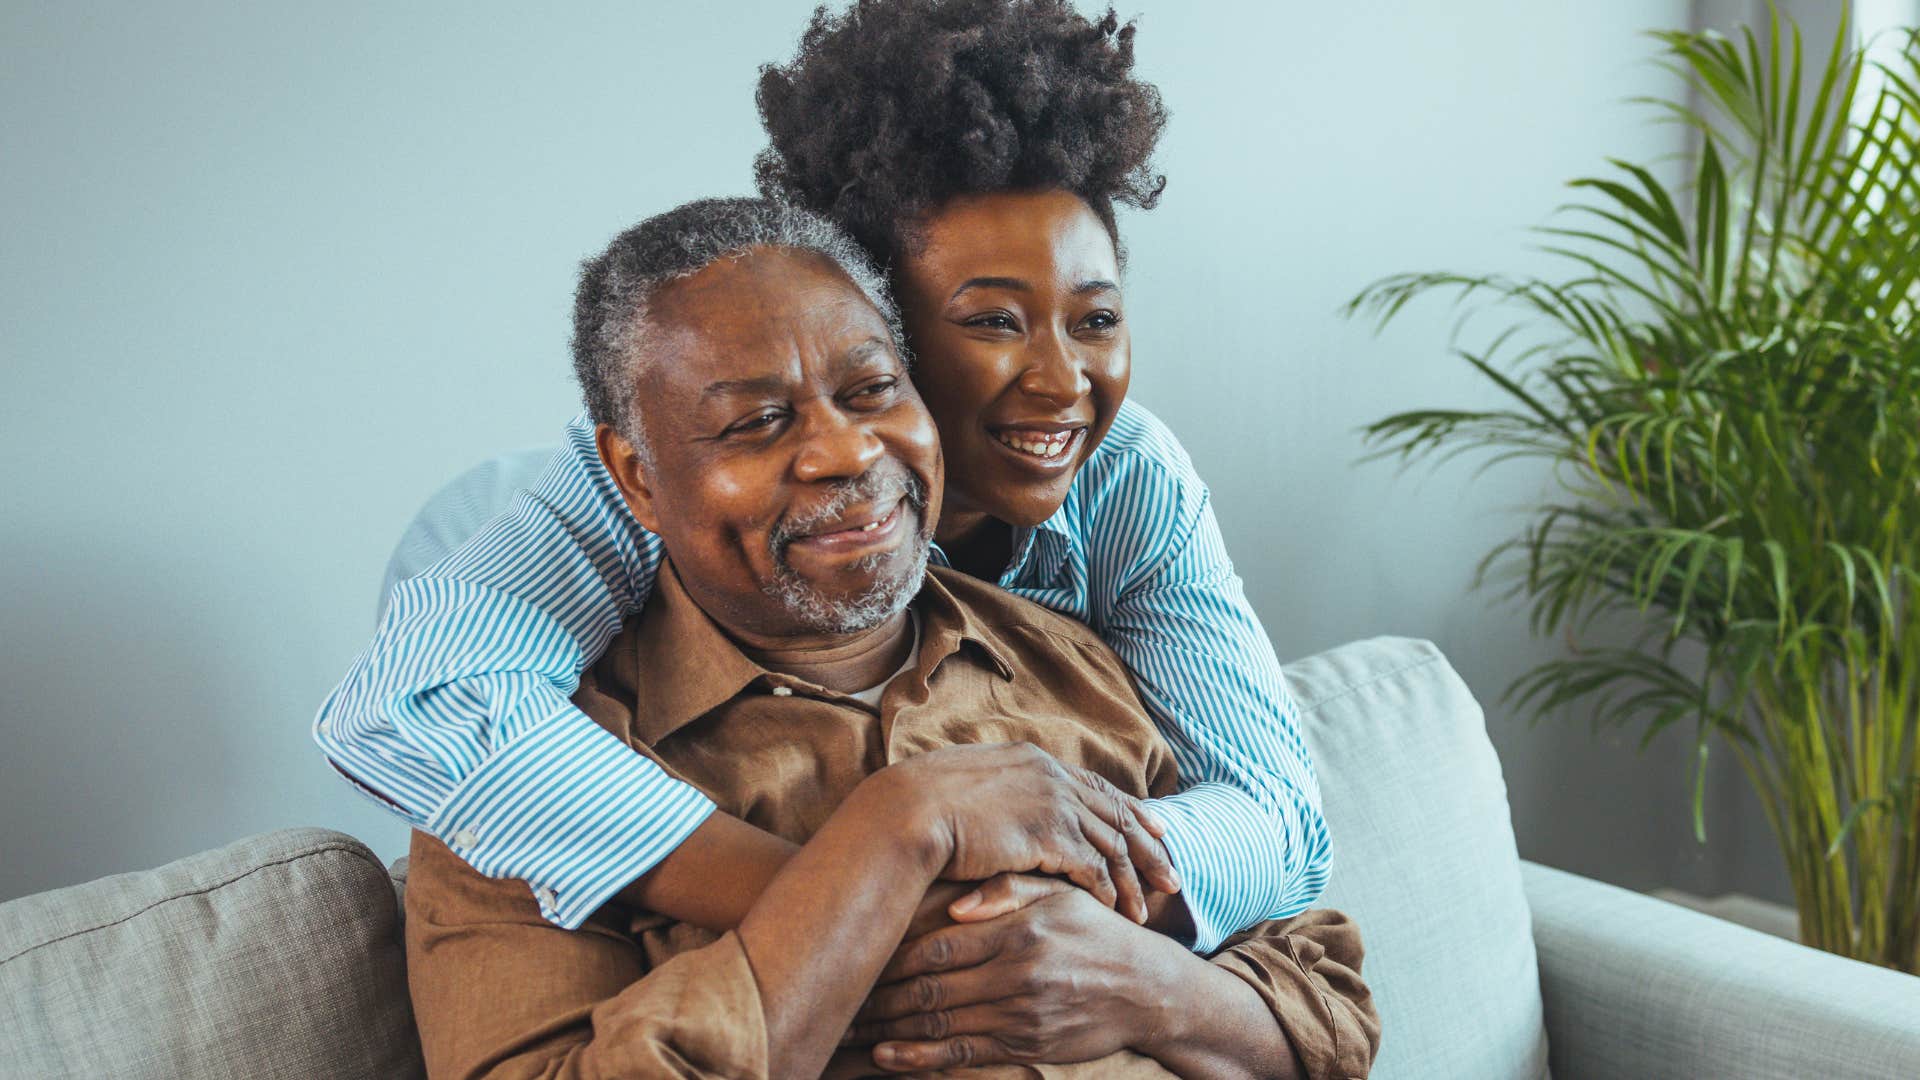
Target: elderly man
(799, 664)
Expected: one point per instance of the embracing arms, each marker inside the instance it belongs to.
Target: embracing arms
(457, 717)
(500, 992)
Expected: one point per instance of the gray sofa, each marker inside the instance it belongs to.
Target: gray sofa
(280, 956)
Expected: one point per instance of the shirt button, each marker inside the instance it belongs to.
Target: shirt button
(783, 691)
(466, 838)
(545, 896)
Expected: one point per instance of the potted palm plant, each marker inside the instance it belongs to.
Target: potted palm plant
(1727, 382)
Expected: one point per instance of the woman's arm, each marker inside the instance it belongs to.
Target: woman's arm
(457, 718)
(1246, 831)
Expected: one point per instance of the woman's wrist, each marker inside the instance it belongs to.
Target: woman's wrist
(902, 817)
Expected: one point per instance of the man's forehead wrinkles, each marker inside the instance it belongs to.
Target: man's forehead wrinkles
(869, 352)
(755, 387)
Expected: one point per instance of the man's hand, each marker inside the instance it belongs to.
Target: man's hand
(1001, 895)
(951, 902)
(1060, 980)
(1010, 807)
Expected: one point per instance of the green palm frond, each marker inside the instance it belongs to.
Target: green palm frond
(1727, 382)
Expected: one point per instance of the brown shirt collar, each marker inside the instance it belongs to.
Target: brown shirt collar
(679, 665)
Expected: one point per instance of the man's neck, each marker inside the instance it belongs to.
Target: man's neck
(846, 663)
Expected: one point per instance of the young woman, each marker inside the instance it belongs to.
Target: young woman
(978, 149)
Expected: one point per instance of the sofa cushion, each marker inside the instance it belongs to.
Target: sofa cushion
(277, 956)
(1424, 860)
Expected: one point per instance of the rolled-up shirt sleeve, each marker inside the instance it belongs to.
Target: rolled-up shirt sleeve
(1307, 969)
(456, 717)
(499, 992)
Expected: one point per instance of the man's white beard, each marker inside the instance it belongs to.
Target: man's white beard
(887, 596)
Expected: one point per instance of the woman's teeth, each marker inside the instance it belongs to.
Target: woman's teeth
(1046, 446)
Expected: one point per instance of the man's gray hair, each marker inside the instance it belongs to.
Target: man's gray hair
(610, 308)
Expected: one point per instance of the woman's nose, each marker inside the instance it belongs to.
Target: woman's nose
(1055, 374)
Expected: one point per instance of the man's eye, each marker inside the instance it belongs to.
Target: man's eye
(756, 422)
(876, 389)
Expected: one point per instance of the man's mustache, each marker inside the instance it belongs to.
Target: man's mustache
(878, 485)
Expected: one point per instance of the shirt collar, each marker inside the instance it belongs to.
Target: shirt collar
(948, 625)
(685, 666)
(1038, 552)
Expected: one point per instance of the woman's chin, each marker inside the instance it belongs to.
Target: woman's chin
(1022, 512)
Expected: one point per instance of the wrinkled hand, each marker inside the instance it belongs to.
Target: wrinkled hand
(951, 902)
(1060, 980)
(1000, 895)
(1012, 808)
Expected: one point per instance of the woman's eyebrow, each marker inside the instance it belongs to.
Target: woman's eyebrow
(1014, 284)
(1021, 285)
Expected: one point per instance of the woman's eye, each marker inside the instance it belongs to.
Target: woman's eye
(993, 320)
(1101, 320)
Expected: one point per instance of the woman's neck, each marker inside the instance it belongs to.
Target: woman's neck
(975, 544)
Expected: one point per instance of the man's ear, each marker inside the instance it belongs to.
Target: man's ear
(629, 473)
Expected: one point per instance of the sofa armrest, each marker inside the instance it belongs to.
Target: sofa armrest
(1635, 986)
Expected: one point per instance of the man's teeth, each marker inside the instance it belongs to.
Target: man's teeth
(867, 528)
(1048, 446)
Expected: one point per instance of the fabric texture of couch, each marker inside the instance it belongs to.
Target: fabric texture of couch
(277, 956)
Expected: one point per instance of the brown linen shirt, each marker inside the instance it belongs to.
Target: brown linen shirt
(500, 992)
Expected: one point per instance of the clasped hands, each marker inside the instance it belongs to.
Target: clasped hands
(1051, 965)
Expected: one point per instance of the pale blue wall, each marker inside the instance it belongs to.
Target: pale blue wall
(267, 279)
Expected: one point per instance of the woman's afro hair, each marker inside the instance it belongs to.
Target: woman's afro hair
(894, 106)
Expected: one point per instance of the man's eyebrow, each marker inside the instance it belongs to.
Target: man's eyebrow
(764, 385)
(1019, 285)
(871, 349)
(768, 385)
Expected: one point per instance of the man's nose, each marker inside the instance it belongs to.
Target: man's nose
(836, 447)
(1055, 372)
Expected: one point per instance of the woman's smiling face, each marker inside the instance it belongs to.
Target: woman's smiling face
(1012, 306)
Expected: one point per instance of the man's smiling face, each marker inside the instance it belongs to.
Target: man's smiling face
(790, 467)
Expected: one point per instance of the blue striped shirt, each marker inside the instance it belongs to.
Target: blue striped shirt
(457, 715)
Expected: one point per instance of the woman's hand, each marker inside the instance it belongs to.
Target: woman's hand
(1011, 808)
(1060, 980)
